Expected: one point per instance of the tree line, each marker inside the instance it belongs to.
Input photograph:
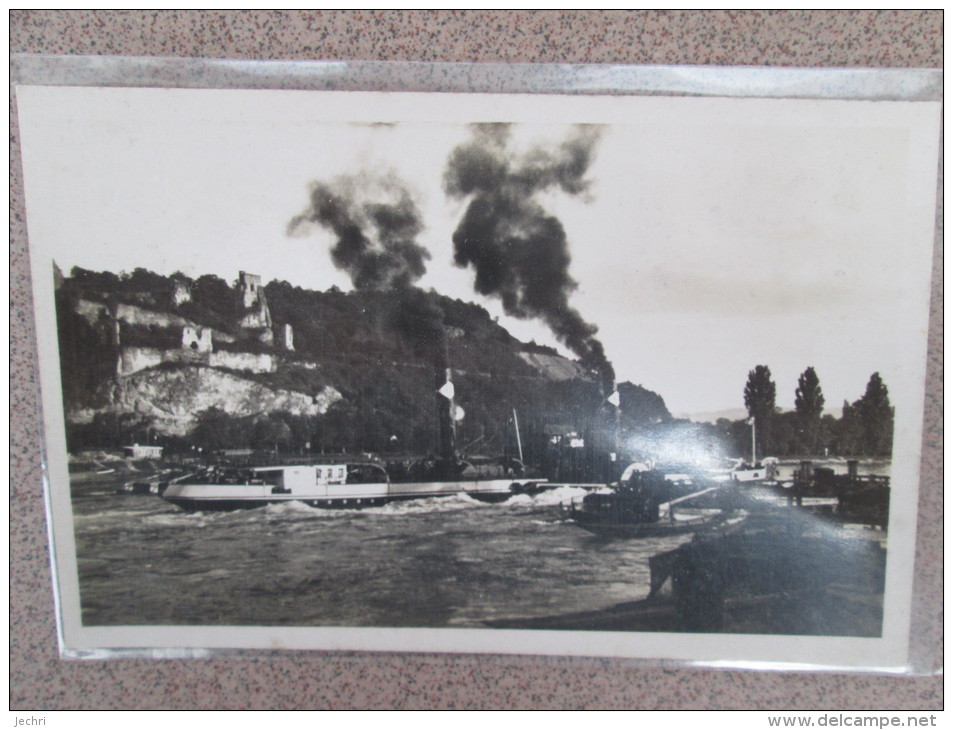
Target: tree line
(865, 427)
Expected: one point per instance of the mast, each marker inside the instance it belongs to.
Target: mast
(519, 443)
(446, 456)
(615, 400)
(754, 454)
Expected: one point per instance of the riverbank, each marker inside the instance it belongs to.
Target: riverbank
(780, 572)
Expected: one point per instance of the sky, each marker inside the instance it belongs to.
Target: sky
(713, 235)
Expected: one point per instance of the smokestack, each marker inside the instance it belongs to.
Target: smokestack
(446, 457)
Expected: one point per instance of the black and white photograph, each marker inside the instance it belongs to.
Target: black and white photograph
(636, 376)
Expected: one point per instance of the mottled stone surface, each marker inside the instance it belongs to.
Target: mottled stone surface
(40, 680)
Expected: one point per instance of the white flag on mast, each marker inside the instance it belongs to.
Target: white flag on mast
(446, 390)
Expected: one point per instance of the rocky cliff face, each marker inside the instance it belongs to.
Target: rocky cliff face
(135, 359)
(554, 367)
(172, 398)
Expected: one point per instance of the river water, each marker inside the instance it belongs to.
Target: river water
(441, 562)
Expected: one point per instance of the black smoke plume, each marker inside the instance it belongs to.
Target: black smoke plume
(376, 223)
(518, 251)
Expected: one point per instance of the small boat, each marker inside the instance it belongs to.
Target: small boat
(346, 486)
(675, 523)
(761, 472)
(648, 505)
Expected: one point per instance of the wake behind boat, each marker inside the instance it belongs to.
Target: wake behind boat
(324, 485)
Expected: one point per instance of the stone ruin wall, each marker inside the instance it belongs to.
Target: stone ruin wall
(197, 341)
(135, 359)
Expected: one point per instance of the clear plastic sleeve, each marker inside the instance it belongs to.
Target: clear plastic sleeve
(696, 609)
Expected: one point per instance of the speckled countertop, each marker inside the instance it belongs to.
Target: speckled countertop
(39, 680)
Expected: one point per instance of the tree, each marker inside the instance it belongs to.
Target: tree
(641, 407)
(213, 302)
(809, 406)
(876, 418)
(849, 431)
(142, 281)
(785, 434)
(827, 433)
(211, 431)
(271, 433)
(760, 392)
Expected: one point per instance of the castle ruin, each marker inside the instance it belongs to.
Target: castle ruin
(182, 293)
(198, 344)
(250, 287)
(256, 315)
(197, 339)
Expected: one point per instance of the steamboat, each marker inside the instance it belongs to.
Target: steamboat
(347, 486)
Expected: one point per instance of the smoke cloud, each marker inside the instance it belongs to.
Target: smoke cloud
(520, 252)
(376, 223)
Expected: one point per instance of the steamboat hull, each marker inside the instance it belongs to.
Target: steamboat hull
(228, 497)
